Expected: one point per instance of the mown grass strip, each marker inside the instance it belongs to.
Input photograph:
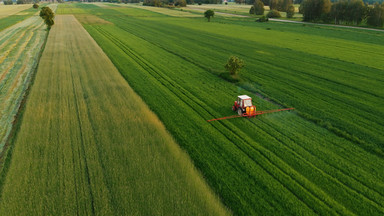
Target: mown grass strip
(10, 20)
(7, 10)
(19, 54)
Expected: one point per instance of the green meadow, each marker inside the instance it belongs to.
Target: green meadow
(326, 157)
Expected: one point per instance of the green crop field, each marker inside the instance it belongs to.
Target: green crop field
(88, 145)
(324, 158)
(115, 121)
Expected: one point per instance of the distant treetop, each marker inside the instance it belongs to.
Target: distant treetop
(373, 1)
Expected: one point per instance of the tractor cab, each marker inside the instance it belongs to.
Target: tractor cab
(244, 106)
(244, 101)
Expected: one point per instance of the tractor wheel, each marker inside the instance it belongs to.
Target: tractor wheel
(240, 111)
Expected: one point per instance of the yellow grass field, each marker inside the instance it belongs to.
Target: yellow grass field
(165, 11)
(234, 9)
(8, 10)
(170, 12)
(88, 145)
(231, 8)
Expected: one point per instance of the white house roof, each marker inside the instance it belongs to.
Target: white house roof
(244, 97)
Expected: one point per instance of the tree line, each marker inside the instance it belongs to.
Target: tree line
(280, 5)
(10, 2)
(266, 2)
(274, 5)
(352, 12)
(373, 1)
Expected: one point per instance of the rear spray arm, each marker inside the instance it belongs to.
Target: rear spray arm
(245, 115)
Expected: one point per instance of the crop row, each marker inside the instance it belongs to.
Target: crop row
(259, 165)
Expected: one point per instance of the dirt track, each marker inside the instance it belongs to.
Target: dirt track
(340, 26)
(220, 13)
(292, 21)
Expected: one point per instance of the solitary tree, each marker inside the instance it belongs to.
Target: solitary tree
(273, 14)
(35, 6)
(259, 7)
(208, 14)
(47, 14)
(252, 10)
(290, 11)
(234, 65)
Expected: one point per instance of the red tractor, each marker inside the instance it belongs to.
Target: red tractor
(244, 106)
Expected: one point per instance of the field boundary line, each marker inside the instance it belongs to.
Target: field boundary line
(329, 25)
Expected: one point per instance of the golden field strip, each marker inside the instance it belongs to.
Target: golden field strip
(165, 11)
(20, 47)
(8, 10)
(88, 145)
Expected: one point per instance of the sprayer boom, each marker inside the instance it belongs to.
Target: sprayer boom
(244, 108)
